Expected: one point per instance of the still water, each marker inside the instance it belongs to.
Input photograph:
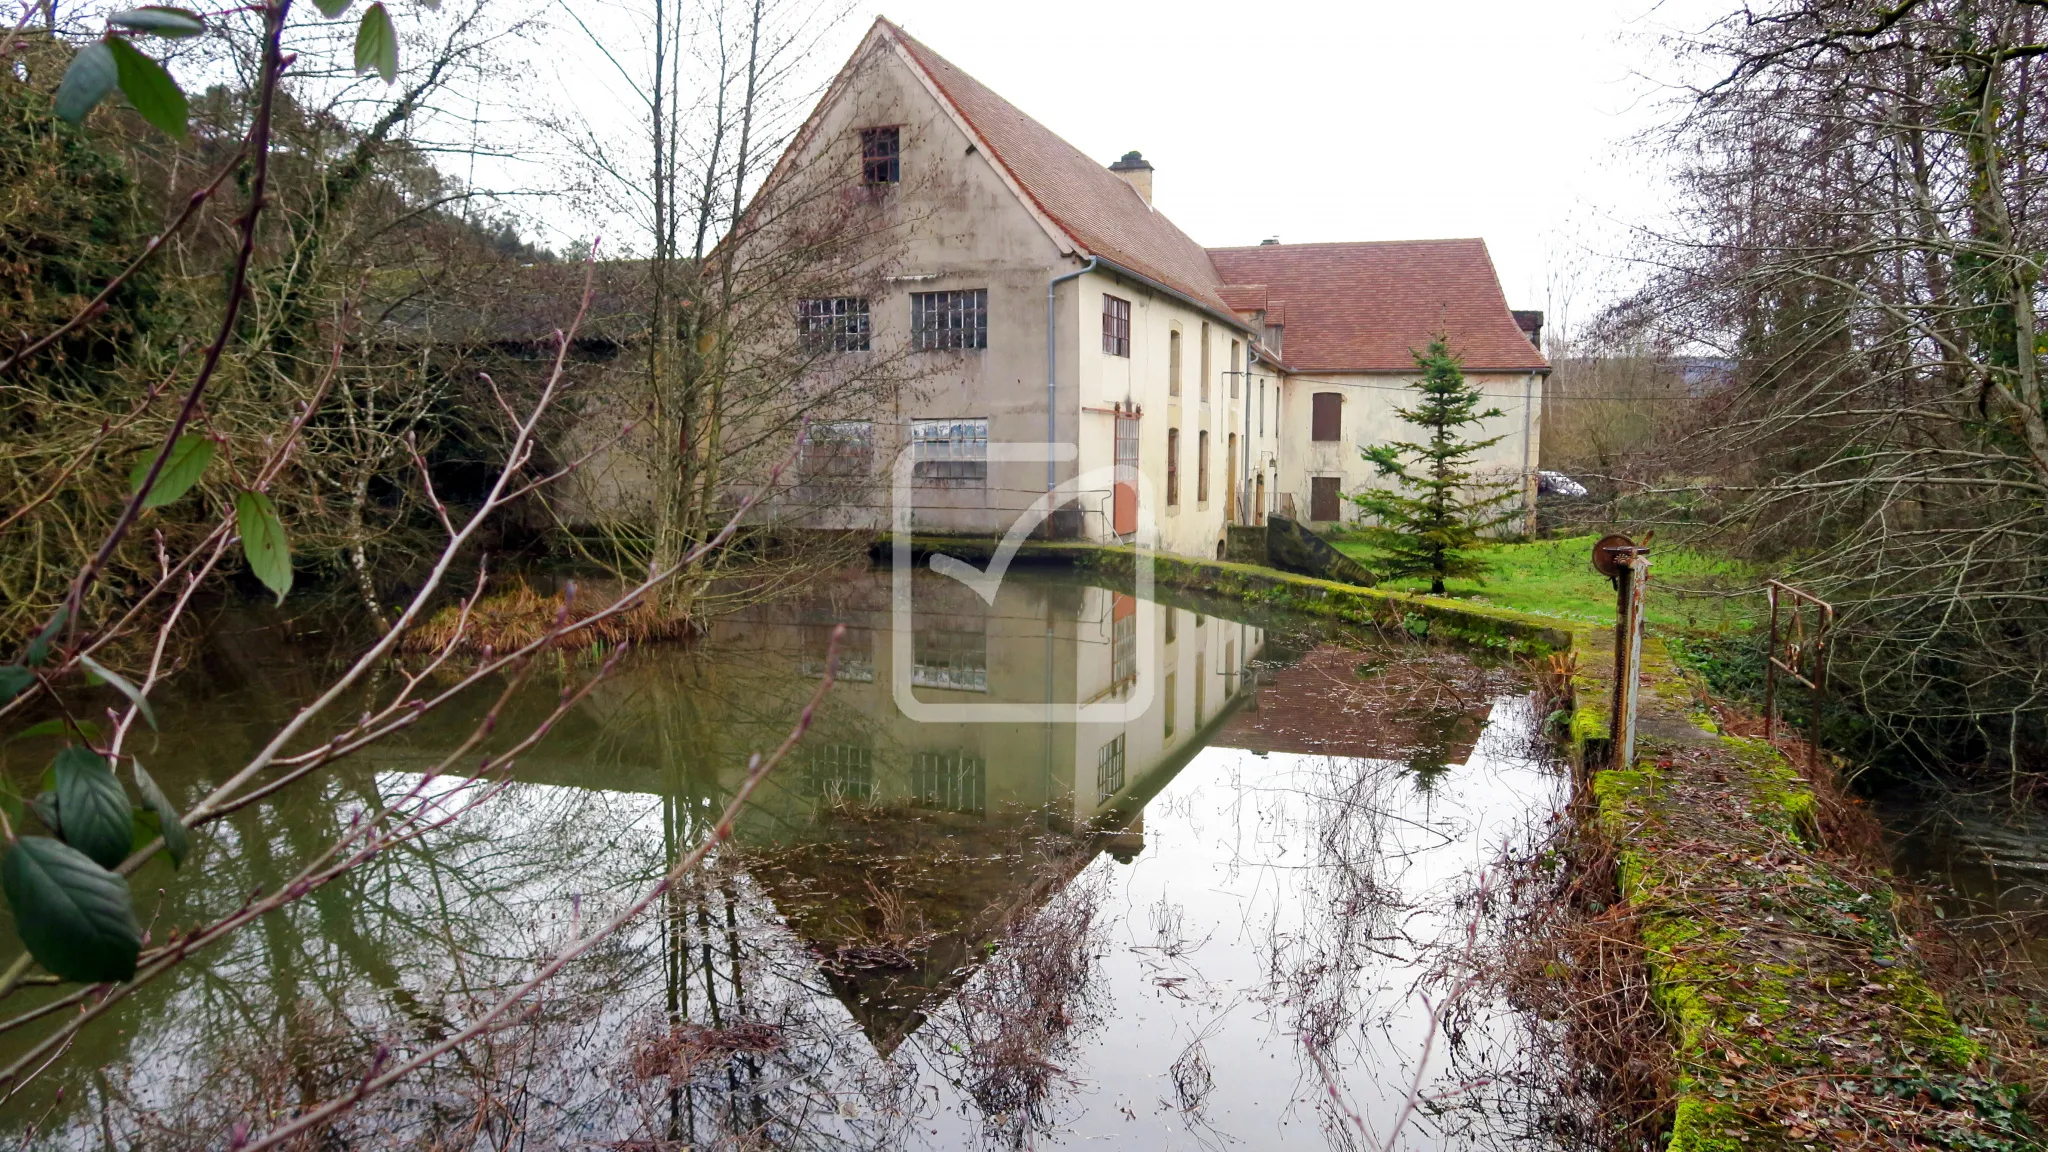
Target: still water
(1213, 904)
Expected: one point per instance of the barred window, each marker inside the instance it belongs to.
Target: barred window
(840, 772)
(942, 320)
(1116, 325)
(836, 323)
(1109, 769)
(881, 151)
(837, 450)
(949, 782)
(955, 658)
(955, 449)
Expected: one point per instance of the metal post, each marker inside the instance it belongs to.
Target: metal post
(1638, 584)
(1771, 669)
(1622, 581)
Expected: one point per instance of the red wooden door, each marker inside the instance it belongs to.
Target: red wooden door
(1124, 513)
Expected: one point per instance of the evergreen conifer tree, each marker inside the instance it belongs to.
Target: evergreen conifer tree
(1429, 521)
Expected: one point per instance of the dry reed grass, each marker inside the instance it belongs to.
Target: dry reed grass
(519, 615)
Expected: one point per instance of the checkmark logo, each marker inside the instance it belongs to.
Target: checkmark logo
(987, 582)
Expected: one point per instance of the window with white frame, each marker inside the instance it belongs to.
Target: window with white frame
(943, 320)
(835, 324)
(953, 449)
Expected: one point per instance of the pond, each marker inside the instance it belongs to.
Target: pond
(1137, 874)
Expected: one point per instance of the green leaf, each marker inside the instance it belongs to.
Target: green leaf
(91, 76)
(122, 686)
(157, 20)
(59, 726)
(177, 840)
(97, 818)
(39, 648)
(189, 458)
(14, 680)
(77, 918)
(45, 805)
(263, 542)
(332, 8)
(149, 88)
(377, 43)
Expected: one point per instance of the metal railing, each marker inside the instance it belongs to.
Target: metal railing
(1805, 659)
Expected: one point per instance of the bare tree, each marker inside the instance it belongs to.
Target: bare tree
(1861, 230)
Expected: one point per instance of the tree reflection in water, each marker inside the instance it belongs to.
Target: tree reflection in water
(874, 965)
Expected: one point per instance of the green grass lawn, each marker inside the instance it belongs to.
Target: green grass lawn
(1688, 590)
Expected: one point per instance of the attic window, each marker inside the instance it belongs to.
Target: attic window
(1116, 326)
(880, 156)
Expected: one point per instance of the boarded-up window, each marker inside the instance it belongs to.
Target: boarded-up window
(1205, 362)
(1172, 466)
(1116, 326)
(1326, 416)
(1323, 498)
(1202, 467)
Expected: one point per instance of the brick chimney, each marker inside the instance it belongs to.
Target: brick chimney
(1137, 172)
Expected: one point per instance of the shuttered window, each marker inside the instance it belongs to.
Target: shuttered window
(1323, 498)
(1326, 417)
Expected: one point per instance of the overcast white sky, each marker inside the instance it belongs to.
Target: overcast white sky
(1313, 120)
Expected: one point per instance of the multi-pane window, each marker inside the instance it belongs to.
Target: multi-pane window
(941, 320)
(1116, 325)
(1123, 642)
(1109, 769)
(949, 782)
(1172, 467)
(836, 324)
(1323, 498)
(1202, 466)
(1173, 363)
(950, 450)
(881, 156)
(856, 652)
(954, 658)
(1326, 416)
(839, 772)
(837, 450)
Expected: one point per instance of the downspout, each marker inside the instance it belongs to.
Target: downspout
(1244, 497)
(1528, 476)
(1051, 374)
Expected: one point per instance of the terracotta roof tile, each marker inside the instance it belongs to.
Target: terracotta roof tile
(1102, 215)
(1362, 307)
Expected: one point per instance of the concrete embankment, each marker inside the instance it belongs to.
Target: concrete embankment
(1796, 1003)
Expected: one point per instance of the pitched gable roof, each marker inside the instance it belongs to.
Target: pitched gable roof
(1361, 307)
(1096, 210)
